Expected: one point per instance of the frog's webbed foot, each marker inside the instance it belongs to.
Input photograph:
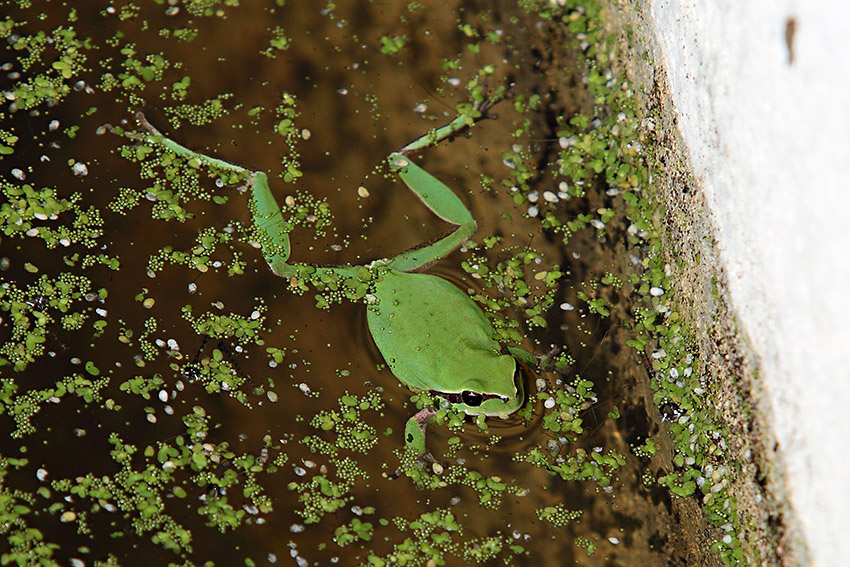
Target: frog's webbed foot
(148, 129)
(546, 362)
(146, 125)
(486, 102)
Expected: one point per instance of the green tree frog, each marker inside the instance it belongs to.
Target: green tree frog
(431, 334)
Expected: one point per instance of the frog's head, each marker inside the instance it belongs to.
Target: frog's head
(493, 397)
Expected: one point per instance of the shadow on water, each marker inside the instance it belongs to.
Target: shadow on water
(357, 105)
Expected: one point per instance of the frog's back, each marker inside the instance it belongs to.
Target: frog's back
(432, 334)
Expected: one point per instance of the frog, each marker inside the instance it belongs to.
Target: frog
(432, 335)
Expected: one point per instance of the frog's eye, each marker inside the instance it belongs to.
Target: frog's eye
(471, 398)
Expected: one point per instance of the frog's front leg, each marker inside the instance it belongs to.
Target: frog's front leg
(414, 431)
(415, 452)
(543, 362)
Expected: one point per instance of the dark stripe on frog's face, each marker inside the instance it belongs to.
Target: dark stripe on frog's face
(468, 397)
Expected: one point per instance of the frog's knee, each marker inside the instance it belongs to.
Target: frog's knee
(398, 161)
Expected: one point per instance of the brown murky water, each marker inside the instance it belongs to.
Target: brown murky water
(358, 105)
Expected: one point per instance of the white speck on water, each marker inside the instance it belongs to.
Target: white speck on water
(192, 287)
(53, 126)
(596, 223)
(362, 192)
(612, 191)
(296, 528)
(64, 242)
(172, 344)
(255, 314)
(567, 306)
(454, 81)
(80, 169)
(151, 418)
(306, 134)
(41, 474)
(420, 108)
(533, 196)
(101, 311)
(549, 403)
(550, 197)
(304, 388)
(614, 540)
(19, 174)
(533, 211)
(658, 354)
(271, 396)
(656, 291)
(163, 396)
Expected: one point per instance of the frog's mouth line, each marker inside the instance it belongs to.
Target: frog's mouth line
(468, 397)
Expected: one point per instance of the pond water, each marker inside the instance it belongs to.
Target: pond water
(173, 443)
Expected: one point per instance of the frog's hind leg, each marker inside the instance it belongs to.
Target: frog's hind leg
(443, 202)
(268, 219)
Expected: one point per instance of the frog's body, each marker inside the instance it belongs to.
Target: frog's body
(433, 336)
(422, 313)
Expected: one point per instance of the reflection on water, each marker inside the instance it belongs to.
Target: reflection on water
(143, 464)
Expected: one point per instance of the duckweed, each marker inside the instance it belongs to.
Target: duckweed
(164, 459)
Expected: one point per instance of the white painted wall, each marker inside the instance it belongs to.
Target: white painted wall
(769, 145)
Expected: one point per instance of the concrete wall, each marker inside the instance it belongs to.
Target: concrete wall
(762, 95)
